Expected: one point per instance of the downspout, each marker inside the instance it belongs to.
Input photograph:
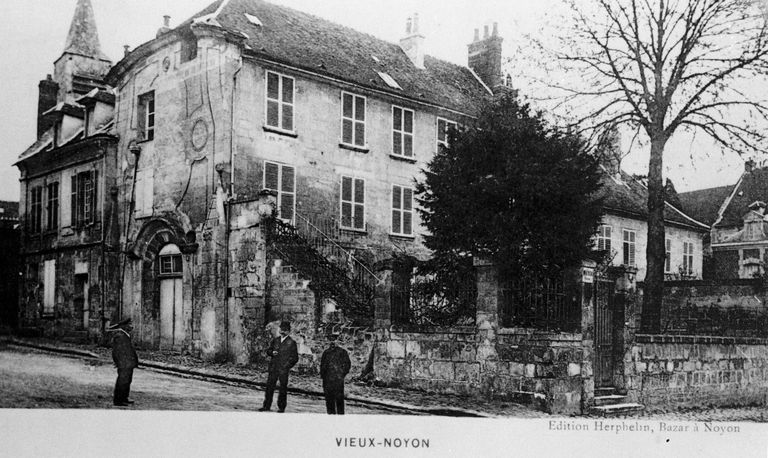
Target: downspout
(228, 202)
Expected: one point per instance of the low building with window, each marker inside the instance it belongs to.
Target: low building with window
(67, 213)
(623, 234)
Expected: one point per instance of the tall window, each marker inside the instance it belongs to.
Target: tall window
(36, 209)
(443, 128)
(352, 203)
(146, 115)
(282, 179)
(629, 247)
(402, 132)
(352, 119)
(280, 101)
(402, 210)
(604, 238)
(688, 258)
(83, 198)
(668, 255)
(144, 192)
(53, 206)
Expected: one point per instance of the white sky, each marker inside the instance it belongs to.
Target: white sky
(34, 31)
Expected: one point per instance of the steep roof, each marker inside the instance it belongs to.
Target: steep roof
(752, 186)
(626, 196)
(83, 38)
(317, 45)
(704, 204)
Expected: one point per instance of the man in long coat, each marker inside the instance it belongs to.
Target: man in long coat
(126, 360)
(334, 366)
(285, 355)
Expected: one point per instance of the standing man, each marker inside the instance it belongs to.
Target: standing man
(284, 356)
(126, 360)
(334, 366)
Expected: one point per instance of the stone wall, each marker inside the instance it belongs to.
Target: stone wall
(672, 371)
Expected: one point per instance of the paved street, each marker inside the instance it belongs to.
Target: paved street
(30, 379)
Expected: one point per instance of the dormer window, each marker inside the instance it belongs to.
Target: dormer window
(753, 230)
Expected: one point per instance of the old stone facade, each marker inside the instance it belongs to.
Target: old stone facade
(68, 208)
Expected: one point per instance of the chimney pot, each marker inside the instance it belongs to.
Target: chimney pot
(126, 50)
(415, 23)
(167, 21)
(485, 32)
(477, 35)
(495, 29)
(408, 25)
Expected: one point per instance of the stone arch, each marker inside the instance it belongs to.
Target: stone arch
(159, 232)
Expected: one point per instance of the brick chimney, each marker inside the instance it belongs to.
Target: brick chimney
(47, 99)
(166, 26)
(484, 57)
(413, 42)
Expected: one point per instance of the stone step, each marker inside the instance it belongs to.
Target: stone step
(610, 399)
(605, 391)
(615, 410)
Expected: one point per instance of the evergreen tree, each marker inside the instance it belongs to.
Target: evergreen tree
(513, 189)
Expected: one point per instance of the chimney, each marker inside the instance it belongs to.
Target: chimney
(749, 165)
(413, 42)
(484, 57)
(758, 206)
(48, 93)
(166, 26)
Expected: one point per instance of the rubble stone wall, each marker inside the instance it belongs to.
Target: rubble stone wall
(697, 371)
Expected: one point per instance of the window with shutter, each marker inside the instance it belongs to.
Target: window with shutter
(280, 104)
(402, 132)
(443, 132)
(146, 115)
(52, 207)
(353, 119)
(604, 238)
(629, 247)
(36, 209)
(352, 203)
(402, 210)
(282, 180)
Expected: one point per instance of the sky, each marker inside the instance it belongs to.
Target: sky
(34, 32)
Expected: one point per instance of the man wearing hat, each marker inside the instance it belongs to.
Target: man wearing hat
(126, 360)
(285, 355)
(334, 366)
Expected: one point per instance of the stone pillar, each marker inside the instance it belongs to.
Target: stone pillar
(624, 322)
(586, 290)
(382, 299)
(487, 321)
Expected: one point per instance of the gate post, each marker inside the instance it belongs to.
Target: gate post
(623, 330)
(586, 293)
(487, 321)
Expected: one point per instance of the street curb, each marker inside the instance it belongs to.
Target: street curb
(215, 376)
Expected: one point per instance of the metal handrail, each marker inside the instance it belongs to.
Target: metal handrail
(349, 255)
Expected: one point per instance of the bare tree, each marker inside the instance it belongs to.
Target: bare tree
(657, 67)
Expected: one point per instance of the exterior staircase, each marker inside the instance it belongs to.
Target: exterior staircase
(332, 270)
(607, 403)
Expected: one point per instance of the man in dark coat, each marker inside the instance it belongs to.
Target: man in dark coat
(126, 360)
(334, 366)
(285, 355)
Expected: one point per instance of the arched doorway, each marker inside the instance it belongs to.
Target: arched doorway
(170, 273)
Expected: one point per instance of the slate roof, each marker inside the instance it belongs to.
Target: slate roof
(317, 45)
(751, 186)
(704, 204)
(627, 197)
(83, 38)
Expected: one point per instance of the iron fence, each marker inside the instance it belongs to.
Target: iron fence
(541, 303)
(421, 301)
(714, 320)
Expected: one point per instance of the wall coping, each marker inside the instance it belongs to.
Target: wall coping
(542, 335)
(409, 329)
(713, 340)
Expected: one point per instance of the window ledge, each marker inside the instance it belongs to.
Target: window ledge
(275, 130)
(145, 140)
(354, 148)
(402, 236)
(353, 230)
(410, 159)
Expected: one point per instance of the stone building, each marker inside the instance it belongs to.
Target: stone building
(67, 207)
(739, 233)
(248, 105)
(624, 230)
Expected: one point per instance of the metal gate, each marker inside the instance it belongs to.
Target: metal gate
(604, 332)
